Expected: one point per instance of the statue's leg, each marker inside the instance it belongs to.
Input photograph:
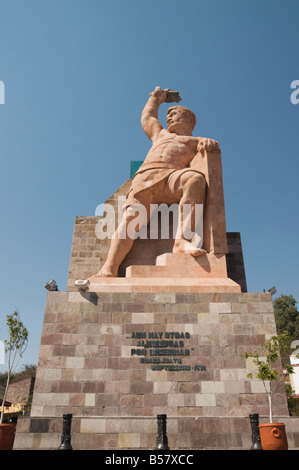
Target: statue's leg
(193, 188)
(123, 239)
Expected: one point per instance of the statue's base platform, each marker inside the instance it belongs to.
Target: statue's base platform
(182, 265)
(160, 285)
(173, 272)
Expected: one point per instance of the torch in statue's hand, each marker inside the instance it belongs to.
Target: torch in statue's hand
(166, 96)
(172, 96)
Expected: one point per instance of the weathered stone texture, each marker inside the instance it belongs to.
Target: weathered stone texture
(87, 367)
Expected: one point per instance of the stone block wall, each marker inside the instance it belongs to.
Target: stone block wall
(91, 362)
(89, 367)
(235, 260)
(18, 392)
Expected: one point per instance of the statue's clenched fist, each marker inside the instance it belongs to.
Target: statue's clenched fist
(167, 95)
(208, 144)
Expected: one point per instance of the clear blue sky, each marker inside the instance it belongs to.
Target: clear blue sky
(77, 75)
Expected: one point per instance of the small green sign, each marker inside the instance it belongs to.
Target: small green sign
(134, 166)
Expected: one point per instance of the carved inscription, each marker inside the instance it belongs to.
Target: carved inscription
(163, 350)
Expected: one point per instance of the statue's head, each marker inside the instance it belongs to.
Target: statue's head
(179, 117)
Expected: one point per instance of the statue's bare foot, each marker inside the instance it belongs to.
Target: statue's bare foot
(106, 271)
(104, 274)
(183, 246)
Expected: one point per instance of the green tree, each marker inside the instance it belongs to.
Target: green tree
(267, 367)
(287, 318)
(15, 346)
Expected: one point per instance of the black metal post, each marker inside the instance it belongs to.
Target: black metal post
(66, 433)
(162, 441)
(255, 433)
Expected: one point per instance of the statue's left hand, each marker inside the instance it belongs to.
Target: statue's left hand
(209, 145)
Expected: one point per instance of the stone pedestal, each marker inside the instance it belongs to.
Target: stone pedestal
(116, 360)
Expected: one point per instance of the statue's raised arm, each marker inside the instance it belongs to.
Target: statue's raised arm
(149, 118)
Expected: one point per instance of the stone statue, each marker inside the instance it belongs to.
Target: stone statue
(167, 176)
